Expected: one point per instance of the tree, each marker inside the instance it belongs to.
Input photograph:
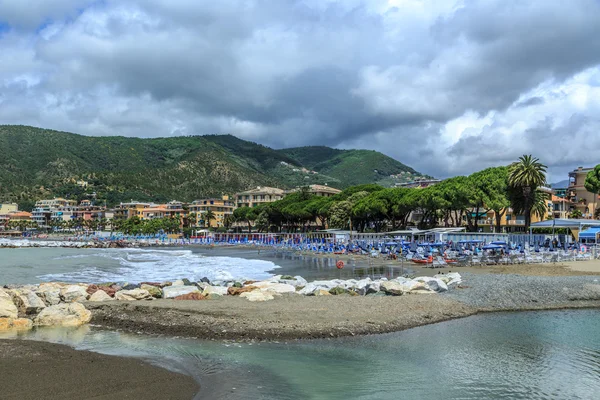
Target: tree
(592, 185)
(524, 178)
(575, 214)
(246, 214)
(208, 216)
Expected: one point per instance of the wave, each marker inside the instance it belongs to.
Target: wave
(139, 265)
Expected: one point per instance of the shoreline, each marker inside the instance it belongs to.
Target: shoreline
(315, 317)
(26, 364)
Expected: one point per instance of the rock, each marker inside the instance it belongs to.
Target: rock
(373, 287)
(133, 294)
(156, 284)
(275, 287)
(50, 292)
(100, 295)
(27, 302)
(7, 307)
(295, 281)
(73, 293)
(178, 282)
(257, 295)
(153, 290)
(237, 285)
(213, 296)
(109, 290)
(221, 290)
(130, 286)
(66, 314)
(338, 290)
(191, 296)
(15, 323)
(321, 292)
(171, 292)
(392, 288)
(309, 289)
(91, 289)
(287, 278)
(205, 280)
(187, 282)
(235, 291)
(437, 285)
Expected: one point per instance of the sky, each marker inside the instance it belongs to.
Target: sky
(447, 87)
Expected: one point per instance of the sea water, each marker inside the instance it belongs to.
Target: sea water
(528, 355)
(34, 265)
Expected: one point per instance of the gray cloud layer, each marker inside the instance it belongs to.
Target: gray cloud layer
(446, 87)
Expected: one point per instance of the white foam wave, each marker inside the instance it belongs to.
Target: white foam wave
(139, 265)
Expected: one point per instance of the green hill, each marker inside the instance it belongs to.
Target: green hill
(40, 163)
(353, 167)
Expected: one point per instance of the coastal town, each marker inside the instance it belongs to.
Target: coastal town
(573, 201)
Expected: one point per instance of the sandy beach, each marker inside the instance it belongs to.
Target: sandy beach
(32, 370)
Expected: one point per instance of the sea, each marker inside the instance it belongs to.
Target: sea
(524, 355)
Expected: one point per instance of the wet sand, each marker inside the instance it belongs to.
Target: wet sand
(40, 370)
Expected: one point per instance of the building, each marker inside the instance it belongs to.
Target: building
(44, 210)
(260, 195)
(219, 207)
(317, 190)
(6, 208)
(419, 183)
(13, 216)
(130, 210)
(577, 194)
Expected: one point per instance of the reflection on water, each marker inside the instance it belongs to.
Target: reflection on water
(533, 355)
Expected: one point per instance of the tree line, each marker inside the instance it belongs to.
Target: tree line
(456, 201)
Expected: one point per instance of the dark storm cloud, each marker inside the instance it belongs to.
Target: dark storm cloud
(434, 84)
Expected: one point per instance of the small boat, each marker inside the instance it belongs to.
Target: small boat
(428, 260)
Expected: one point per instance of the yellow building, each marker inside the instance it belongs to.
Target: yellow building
(577, 194)
(130, 210)
(6, 208)
(219, 207)
(317, 190)
(260, 195)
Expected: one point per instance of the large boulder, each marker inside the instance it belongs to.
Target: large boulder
(133, 294)
(178, 282)
(392, 288)
(15, 323)
(257, 295)
(170, 292)
(7, 307)
(274, 287)
(373, 287)
(191, 296)
(321, 292)
(235, 291)
(220, 290)
(74, 293)
(100, 295)
(50, 292)
(27, 302)
(153, 290)
(292, 280)
(435, 284)
(65, 314)
(338, 290)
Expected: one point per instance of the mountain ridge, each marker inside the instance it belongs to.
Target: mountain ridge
(39, 163)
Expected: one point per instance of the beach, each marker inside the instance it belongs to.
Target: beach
(32, 370)
(287, 318)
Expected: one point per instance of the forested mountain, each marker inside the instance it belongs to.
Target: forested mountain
(40, 163)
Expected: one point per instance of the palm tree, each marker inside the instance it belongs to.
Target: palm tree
(207, 217)
(524, 178)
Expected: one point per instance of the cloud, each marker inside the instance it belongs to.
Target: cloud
(447, 87)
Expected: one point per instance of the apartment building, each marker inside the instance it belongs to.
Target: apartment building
(577, 194)
(44, 210)
(219, 207)
(130, 210)
(259, 195)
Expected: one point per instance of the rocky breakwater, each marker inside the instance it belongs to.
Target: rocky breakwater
(47, 304)
(269, 289)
